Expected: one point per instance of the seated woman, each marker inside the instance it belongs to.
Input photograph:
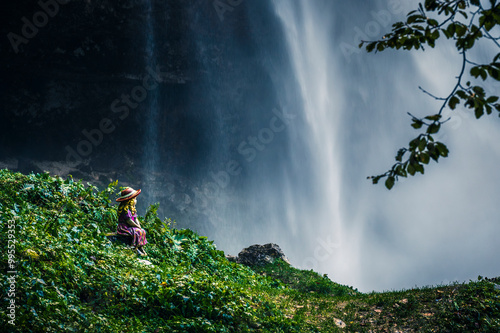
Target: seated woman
(128, 224)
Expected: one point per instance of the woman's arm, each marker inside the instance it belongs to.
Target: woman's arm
(133, 223)
(129, 219)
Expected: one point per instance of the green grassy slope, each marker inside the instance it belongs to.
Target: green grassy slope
(71, 278)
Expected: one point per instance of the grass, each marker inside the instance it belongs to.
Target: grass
(71, 278)
(329, 307)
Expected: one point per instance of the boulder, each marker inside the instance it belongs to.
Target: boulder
(259, 255)
(231, 258)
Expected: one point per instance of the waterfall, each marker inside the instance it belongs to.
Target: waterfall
(280, 126)
(151, 147)
(354, 107)
(307, 27)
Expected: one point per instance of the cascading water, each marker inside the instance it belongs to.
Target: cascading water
(307, 27)
(284, 126)
(151, 150)
(354, 104)
(282, 98)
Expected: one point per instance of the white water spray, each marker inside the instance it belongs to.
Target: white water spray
(307, 27)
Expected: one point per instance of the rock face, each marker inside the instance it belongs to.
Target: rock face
(79, 88)
(258, 255)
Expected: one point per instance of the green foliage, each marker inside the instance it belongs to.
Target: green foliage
(475, 308)
(304, 281)
(466, 23)
(71, 278)
(471, 307)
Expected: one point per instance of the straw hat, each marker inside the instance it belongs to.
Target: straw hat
(128, 193)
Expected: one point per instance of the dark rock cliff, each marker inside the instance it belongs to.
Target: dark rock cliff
(76, 79)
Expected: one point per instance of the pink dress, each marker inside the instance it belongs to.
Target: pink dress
(138, 234)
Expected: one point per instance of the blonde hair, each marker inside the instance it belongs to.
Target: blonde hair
(127, 205)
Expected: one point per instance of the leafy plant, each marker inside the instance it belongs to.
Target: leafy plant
(71, 278)
(303, 280)
(467, 23)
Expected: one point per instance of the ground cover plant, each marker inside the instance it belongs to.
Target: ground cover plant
(71, 278)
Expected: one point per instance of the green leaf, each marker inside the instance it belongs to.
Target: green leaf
(488, 108)
(489, 24)
(389, 182)
(494, 73)
(414, 143)
(434, 117)
(460, 29)
(432, 151)
(452, 103)
(400, 170)
(411, 169)
(422, 144)
(432, 22)
(435, 34)
(424, 158)
(400, 154)
(475, 71)
(492, 99)
(433, 128)
(462, 94)
(484, 75)
(417, 123)
(371, 46)
(478, 90)
(419, 168)
(479, 111)
(450, 30)
(442, 149)
(415, 18)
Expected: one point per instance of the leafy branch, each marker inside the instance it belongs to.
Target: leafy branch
(465, 22)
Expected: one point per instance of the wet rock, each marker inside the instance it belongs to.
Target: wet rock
(258, 255)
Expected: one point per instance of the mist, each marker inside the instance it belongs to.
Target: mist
(429, 230)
